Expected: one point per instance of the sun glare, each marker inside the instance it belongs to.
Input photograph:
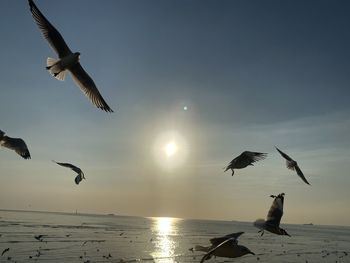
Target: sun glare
(170, 149)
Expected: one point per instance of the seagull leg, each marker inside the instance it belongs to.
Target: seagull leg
(233, 172)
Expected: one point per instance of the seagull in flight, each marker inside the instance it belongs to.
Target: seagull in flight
(67, 60)
(244, 159)
(80, 173)
(272, 222)
(16, 144)
(293, 165)
(226, 246)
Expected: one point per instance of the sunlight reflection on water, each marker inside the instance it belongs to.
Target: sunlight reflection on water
(165, 228)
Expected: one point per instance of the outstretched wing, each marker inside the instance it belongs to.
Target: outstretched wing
(50, 33)
(276, 211)
(216, 241)
(87, 85)
(71, 166)
(225, 242)
(253, 157)
(285, 156)
(16, 144)
(301, 175)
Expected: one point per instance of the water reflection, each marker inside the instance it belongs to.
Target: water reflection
(165, 229)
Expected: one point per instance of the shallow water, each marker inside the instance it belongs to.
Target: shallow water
(92, 238)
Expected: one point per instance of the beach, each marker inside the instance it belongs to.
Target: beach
(109, 238)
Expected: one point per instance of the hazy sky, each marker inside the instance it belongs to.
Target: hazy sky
(252, 74)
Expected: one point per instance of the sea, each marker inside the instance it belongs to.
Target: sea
(109, 238)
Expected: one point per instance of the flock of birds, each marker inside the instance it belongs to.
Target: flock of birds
(226, 246)
(68, 61)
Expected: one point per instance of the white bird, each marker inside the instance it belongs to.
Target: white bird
(226, 246)
(16, 144)
(272, 223)
(80, 173)
(293, 165)
(67, 60)
(244, 159)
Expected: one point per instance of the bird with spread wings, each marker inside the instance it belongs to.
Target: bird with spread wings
(67, 60)
(272, 222)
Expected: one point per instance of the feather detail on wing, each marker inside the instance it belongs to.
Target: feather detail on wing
(284, 155)
(71, 166)
(254, 156)
(208, 255)
(217, 240)
(301, 175)
(16, 144)
(49, 32)
(88, 86)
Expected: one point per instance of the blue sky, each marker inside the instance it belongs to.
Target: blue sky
(253, 74)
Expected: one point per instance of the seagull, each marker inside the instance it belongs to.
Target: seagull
(80, 173)
(16, 144)
(39, 237)
(246, 158)
(5, 250)
(226, 246)
(272, 223)
(67, 60)
(293, 165)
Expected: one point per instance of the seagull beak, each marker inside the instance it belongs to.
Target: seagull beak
(250, 252)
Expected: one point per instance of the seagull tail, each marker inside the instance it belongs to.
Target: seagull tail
(54, 70)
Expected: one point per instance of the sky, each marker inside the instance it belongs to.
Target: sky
(215, 78)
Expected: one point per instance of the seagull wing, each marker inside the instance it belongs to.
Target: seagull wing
(71, 166)
(16, 144)
(216, 241)
(253, 157)
(276, 211)
(301, 175)
(50, 33)
(284, 155)
(87, 85)
(208, 255)
(4, 251)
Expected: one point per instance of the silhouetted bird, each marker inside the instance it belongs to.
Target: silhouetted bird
(39, 237)
(293, 165)
(226, 246)
(67, 60)
(5, 250)
(272, 223)
(16, 144)
(246, 158)
(80, 173)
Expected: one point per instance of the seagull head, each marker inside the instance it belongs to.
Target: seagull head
(77, 54)
(1, 133)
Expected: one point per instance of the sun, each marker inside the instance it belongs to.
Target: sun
(170, 149)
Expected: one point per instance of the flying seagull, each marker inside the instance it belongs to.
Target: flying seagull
(80, 173)
(293, 165)
(272, 222)
(226, 246)
(39, 237)
(67, 60)
(4, 251)
(16, 144)
(246, 158)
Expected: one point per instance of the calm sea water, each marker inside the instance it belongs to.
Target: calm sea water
(95, 238)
